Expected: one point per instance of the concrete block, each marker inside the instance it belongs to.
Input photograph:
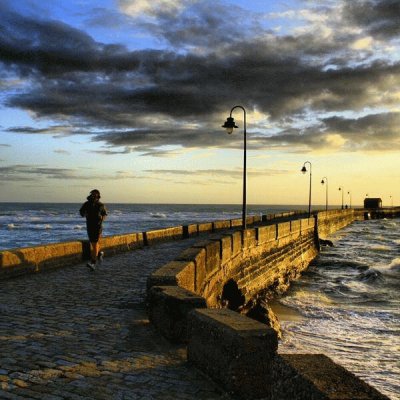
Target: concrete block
(257, 218)
(249, 238)
(205, 227)
(159, 235)
(213, 258)
(250, 220)
(283, 229)
(168, 309)
(190, 230)
(236, 243)
(197, 255)
(118, 243)
(236, 222)
(295, 226)
(226, 248)
(232, 349)
(181, 273)
(35, 259)
(226, 224)
(266, 234)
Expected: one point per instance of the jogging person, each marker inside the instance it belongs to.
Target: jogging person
(95, 212)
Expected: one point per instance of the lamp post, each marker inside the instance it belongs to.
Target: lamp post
(325, 180)
(349, 193)
(341, 188)
(304, 170)
(229, 125)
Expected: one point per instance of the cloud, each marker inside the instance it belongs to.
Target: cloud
(222, 173)
(61, 151)
(4, 145)
(26, 172)
(374, 132)
(138, 8)
(156, 102)
(55, 130)
(379, 18)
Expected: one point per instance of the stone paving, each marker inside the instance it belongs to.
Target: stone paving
(77, 334)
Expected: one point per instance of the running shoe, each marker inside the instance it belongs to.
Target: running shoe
(91, 265)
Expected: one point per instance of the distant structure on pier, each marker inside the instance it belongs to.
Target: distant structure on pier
(372, 202)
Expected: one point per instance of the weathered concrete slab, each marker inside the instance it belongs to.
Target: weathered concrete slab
(169, 307)
(235, 350)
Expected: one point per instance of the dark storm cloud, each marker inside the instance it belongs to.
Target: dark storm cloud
(54, 48)
(55, 130)
(376, 132)
(147, 99)
(25, 172)
(379, 17)
(373, 132)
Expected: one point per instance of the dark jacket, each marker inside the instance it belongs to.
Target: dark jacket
(94, 211)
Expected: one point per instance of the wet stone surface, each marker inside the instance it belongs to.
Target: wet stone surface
(78, 334)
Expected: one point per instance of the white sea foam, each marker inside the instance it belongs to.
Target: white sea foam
(395, 264)
(158, 215)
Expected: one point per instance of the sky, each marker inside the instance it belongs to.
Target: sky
(129, 97)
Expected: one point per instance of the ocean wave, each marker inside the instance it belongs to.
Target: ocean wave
(39, 227)
(158, 215)
(12, 226)
(381, 247)
(395, 264)
(371, 276)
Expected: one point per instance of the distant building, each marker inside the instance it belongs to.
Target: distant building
(371, 202)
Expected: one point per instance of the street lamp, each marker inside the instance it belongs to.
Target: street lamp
(304, 170)
(341, 188)
(325, 180)
(349, 193)
(391, 201)
(229, 125)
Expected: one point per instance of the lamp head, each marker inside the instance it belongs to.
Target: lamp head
(304, 169)
(229, 125)
(323, 181)
(340, 188)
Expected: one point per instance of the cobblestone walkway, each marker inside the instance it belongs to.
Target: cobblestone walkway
(77, 334)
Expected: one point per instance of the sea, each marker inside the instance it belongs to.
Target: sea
(346, 305)
(33, 224)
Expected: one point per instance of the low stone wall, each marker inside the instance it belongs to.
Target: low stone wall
(14, 262)
(334, 220)
(259, 259)
(235, 351)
